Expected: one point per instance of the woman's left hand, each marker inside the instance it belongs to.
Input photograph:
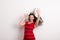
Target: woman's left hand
(38, 11)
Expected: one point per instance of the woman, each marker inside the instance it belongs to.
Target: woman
(29, 25)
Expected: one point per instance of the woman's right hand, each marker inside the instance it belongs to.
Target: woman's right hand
(22, 22)
(25, 15)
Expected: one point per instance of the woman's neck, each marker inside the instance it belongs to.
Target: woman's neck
(31, 21)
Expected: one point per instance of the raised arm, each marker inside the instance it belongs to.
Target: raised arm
(22, 22)
(38, 17)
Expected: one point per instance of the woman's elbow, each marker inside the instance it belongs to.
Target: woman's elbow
(21, 24)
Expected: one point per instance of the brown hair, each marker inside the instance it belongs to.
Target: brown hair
(35, 19)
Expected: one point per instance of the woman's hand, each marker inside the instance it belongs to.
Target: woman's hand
(25, 15)
(38, 11)
(22, 22)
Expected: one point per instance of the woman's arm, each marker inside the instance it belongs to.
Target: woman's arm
(38, 18)
(22, 22)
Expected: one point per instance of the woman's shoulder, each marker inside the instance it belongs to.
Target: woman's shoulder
(26, 21)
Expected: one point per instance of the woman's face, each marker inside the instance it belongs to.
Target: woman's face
(31, 17)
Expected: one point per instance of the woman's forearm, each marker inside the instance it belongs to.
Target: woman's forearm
(38, 17)
(38, 14)
(22, 22)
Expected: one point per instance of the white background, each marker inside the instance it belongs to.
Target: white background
(11, 12)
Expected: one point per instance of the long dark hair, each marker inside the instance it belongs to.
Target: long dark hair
(35, 19)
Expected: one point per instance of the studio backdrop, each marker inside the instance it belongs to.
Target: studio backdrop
(11, 12)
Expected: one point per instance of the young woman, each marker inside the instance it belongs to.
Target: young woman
(29, 25)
